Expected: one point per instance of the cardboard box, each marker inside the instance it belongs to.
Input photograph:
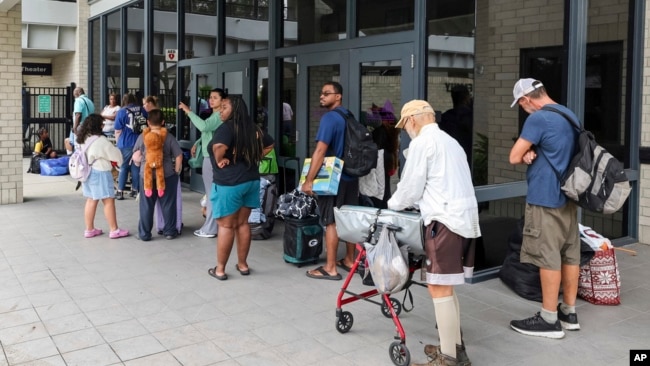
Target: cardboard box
(328, 178)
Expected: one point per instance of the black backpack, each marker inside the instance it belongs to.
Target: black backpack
(35, 164)
(139, 121)
(594, 179)
(359, 151)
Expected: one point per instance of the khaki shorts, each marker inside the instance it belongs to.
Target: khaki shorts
(551, 236)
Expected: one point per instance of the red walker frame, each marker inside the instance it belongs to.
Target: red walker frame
(390, 307)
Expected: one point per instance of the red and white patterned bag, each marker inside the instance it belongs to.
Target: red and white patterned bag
(600, 281)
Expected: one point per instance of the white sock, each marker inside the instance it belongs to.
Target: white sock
(459, 336)
(448, 325)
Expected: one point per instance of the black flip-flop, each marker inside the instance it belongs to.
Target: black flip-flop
(243, 273)
(213, 272)
(323, 275)
(341, 264)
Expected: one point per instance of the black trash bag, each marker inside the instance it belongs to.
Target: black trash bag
(523, 278)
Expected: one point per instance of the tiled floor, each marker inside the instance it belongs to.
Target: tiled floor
(66, 300)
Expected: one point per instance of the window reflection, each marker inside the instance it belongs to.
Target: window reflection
(247, 25)
(381, 95)
(205, 7)
(261, 103)
(135, 50)
(113, 53)
(313, 21)
(450, 78)
(289, 127)
(374, 17)
(317, 76)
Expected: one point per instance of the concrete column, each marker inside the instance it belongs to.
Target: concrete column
(11, 153)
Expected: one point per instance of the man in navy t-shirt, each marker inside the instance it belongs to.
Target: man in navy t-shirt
(330, 142)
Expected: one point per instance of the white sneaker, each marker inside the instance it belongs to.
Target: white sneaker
(201, 234)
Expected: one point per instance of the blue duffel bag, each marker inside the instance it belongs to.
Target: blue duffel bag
(53, 167)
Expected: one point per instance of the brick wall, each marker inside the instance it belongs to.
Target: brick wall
(11, 162)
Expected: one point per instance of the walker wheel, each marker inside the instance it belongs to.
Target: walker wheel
(396, 306)
(344, 322)
(399, 354)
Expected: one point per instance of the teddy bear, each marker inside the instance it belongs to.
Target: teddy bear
(153, 143)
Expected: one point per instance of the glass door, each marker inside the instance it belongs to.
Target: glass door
(382, 80)
(203, 78)
(235, 77)
(376, 82)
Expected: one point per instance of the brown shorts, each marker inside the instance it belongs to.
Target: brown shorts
(551, 236)
(447, 254)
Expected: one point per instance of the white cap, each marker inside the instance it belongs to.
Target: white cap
(523, 87)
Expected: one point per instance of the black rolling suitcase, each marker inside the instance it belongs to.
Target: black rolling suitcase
(303, 240)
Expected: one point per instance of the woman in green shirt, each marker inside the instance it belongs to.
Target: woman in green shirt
(207, 127)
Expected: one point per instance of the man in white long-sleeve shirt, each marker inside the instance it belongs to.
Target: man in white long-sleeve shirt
(437, 180)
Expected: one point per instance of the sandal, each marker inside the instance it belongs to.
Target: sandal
(213, 272)
(323, 274)
(245, 272)
(341, 264)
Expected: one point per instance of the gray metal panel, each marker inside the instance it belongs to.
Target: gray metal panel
(634, 106)
(148, 46)
(124, 50)
(576, 44)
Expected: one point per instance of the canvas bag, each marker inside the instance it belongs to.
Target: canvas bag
(594, 179)
(600, 282)
(78, 163)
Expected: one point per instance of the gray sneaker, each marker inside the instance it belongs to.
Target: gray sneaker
(568, 321)
(537, 326)
(432, 352)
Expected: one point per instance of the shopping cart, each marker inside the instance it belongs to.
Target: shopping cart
(390, 306)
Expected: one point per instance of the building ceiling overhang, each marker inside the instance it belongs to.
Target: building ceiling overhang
(6, 5)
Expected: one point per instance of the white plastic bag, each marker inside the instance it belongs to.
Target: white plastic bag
(387, 265)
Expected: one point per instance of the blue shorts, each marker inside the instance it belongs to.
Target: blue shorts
(99, 185)
(226, 200)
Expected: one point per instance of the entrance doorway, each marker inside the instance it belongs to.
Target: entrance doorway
(376, 82)
(231, 76)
